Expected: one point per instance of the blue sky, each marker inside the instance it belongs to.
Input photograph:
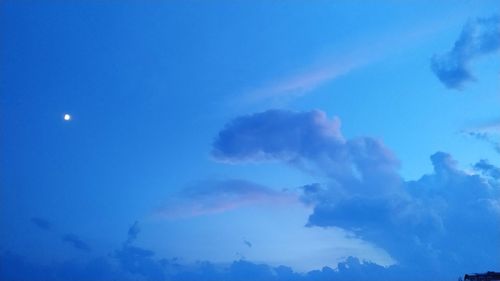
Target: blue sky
(247, 136)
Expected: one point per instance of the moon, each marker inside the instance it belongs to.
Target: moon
(67, 117)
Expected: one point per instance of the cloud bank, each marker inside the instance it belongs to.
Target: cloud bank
(431, 223)
(131, 262)
(478, 37)
(144, 267)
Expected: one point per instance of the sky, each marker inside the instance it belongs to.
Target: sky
(249, 140)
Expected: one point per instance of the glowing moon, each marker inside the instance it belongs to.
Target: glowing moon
(67, 117)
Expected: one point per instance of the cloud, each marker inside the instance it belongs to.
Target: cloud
(216, 196)
(309, 141)
(487, 169)
(344, 60)
(247, 243)
(139, 261)
(15, 267)
(299, 84)
(132, 233)
(429, 223)
(134, 263)
(41, 223)
(478, 37)
(432, 223)
(489, 133)
(76, 242)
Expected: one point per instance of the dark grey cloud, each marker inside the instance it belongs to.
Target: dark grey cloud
(478, 37)
(215, 196)
(41, 223)
(76, 242)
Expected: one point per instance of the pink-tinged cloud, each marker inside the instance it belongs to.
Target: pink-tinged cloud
(301, 83)
(328, 68)
(212, 197)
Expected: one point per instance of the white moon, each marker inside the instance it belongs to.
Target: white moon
(67, 117)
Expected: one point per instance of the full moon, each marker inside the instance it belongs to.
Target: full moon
(67, 117)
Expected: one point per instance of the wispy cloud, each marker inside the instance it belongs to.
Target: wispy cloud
(302, 83)
(489, 133)
(211, 197)
(330, 67)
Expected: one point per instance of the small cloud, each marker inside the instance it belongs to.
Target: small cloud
(489, 133)
(76, 242)
(479, 37)
(133, 231)
(487, 169)
(41, 223)
(247, 243)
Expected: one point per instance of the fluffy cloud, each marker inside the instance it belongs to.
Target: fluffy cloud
(487, 169)
(447, 221)
(478, 37)
(209, 197)
(431, 223)
(310, 140)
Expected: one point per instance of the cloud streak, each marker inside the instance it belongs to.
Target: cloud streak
(489, 134)
(301, 83)
(347, 59)
(217, 196)
(478, 37)
(76, 242)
